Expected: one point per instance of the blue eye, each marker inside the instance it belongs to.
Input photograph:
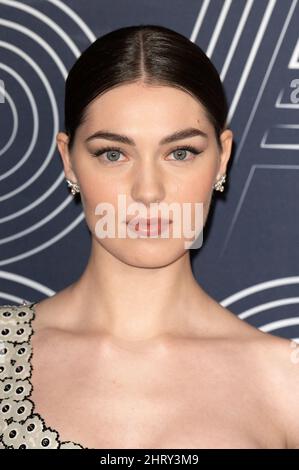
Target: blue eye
(103, 150)
(113, 157)
(187, 148)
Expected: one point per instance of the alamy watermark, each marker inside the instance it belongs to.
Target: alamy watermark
(174, 220)
(294, 96)
(295, 353)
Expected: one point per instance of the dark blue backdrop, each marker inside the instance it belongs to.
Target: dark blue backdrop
(249, 260)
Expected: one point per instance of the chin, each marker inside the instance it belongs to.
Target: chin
(146, 253)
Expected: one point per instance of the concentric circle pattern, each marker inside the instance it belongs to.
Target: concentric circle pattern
(249, 256)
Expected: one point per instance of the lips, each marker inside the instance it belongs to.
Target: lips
(154, 221)
(151, 226)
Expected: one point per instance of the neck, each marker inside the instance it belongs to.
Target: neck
(136, 303)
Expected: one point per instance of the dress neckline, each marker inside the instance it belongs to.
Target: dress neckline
(31, 306)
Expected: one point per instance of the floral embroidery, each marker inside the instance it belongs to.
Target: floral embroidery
(17, 411)
(7, 352)
(20, 426)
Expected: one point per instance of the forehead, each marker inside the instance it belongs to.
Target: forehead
(137, 105)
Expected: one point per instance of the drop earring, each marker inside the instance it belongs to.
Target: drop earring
(74, 187)
(218, 186)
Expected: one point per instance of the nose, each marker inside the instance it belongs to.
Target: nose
(148, 185)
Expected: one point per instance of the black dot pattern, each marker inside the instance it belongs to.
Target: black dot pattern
(22, 427)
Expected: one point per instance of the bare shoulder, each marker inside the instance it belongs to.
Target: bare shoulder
(278, 380)
(53, 313)
(273, 362)
(282, 361)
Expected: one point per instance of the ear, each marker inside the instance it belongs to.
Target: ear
(62, 140)
(226, 138)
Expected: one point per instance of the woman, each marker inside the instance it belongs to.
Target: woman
(135, 354)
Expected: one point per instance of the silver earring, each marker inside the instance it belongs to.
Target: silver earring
(218, 186)
(75, 187)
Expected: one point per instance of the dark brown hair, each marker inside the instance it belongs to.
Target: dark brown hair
(152, 54)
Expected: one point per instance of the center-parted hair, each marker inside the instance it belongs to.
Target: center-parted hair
(152, 54)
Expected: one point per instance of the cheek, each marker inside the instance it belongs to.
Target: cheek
(95, 187)
(95, 193)
(197, 188)
(198, 191)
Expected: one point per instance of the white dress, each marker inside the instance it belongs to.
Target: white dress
(20, 426)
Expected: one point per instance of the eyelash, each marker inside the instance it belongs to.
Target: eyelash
(190, 148)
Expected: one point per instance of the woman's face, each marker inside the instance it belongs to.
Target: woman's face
(147, 172)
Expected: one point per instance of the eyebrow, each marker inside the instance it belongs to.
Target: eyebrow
(181, 134)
